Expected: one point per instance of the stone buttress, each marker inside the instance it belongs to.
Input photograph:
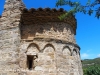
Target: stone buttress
(36, 42)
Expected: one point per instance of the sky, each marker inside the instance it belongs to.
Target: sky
(88, 27)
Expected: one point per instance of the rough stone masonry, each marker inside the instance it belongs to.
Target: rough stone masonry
(36, 42)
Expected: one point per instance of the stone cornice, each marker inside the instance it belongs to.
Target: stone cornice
(53, 40)
(36, 16)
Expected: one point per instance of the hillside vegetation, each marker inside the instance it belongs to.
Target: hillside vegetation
(91, 66)
(90, 62)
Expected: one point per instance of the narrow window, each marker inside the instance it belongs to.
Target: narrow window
(30, 61)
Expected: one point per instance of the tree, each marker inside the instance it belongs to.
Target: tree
(92, 70)
(76, 6)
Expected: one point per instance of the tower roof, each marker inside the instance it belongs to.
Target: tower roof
(40, 15)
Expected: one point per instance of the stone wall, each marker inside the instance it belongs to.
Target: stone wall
(10, 37)
(53, 57)
(55, 47)
(47, 15)
(36, 49)
(52, 30)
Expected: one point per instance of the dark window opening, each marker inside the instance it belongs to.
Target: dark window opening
(30, 62)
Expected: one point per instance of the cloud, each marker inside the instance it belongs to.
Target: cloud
(98, 55)
(84, 56)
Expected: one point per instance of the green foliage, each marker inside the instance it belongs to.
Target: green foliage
(91, 66)
(76, 6)
(70, 12)
(89, 62)
(92, 70)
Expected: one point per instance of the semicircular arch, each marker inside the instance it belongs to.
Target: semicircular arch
(33, 46)
(48, 45)
(66, 51)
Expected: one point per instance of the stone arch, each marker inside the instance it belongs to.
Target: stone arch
(75, 52)
(49, 53)
(32, 55)
(48, 45)
(33, 45)
(66, 51)
(78, 52)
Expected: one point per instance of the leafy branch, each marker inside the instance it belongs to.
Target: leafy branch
(89, 8)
